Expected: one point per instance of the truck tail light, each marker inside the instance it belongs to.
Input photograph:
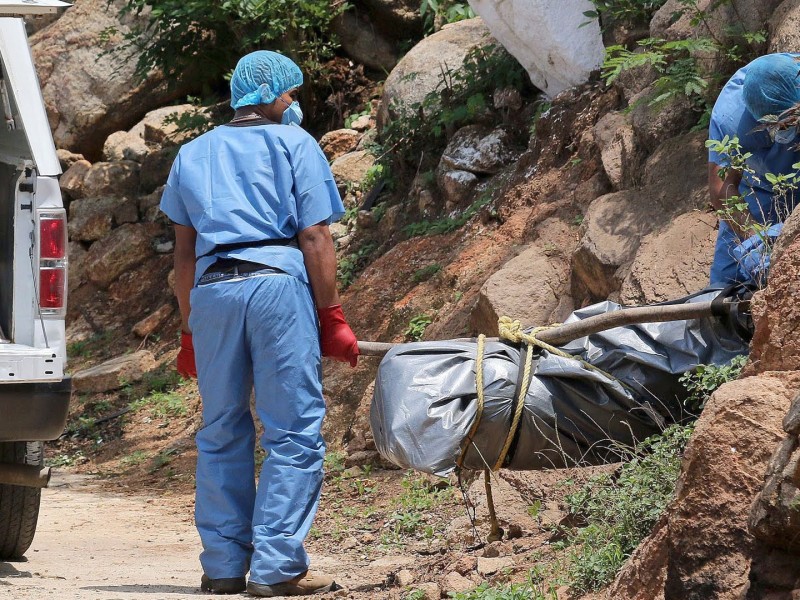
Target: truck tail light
(52, 261)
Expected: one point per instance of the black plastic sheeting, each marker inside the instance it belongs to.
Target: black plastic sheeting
(425, 399)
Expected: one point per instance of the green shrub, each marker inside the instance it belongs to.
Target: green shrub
(349, 266)
(620, 512)
(416, 327)
(204, 38)
(436, 13)
(627, 12)
(705, 379)
(417, 136)
(447, 224)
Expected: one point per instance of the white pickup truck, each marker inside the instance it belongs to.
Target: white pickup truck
(34, 393)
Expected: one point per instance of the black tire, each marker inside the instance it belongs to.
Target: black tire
(19, 505)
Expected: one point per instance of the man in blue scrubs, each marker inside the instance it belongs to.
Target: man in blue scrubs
(255, 278)
(756, 95)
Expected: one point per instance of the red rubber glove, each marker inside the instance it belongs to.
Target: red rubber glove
(186, 366)
(337, 339)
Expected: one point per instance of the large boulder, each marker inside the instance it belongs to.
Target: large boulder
(479, 150)
(362, 42)
(784, 27)
(124, 249)
(351, 168)
(619, 151)
(397, 19)
(112, 179)
(555, 42)
(616, 224)
(420, 70)
(533, 287)
(721, 19)
(89, 89)
(673, 262)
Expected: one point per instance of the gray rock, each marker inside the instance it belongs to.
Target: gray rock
(112, 178)
(77, 254)
(791, 422)
(420, 70)
(125, 248)
(476, 149)
(784, 27)
(92, 219)
(115, 373)
(364, 43)
(155, 129)
(398, 19)
(456, 186)
(88, 90)
(123, 145)
(155, 169)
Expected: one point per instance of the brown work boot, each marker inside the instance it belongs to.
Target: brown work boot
(306, 584)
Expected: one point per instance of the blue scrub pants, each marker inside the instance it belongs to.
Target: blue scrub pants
(724, 268)
(259, 332)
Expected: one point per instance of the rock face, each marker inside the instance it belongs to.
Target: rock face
(125, 248)
(721, 474)
(784, 27)
(89, 92)
(362, 42)
(552, 46)
(776, 344)
(673, 262)
(615, 226)
(419, 72)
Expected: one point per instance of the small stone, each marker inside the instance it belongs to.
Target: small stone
(453, 582)
(430, 590)
(349, 543)
(153, 321)
(464, 565)
(364, 457)
(490, 566)
(365, 219)
(165, 247)
(367, 538)
(362, 123)
(514, 532)
(352, 472)
(404, 578)
(491, 551)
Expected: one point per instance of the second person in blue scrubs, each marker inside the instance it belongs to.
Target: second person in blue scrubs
(255, 270)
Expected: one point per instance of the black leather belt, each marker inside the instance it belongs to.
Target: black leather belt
(228, 268)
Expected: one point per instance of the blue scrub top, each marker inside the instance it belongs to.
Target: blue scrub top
(730, 117)
(247, 184)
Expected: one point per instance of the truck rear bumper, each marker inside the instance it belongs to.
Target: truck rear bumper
(34, 411)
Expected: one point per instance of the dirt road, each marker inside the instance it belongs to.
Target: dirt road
(94, 545)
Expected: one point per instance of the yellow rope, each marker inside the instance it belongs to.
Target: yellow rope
(479, 388)
(512, 330)
(523, 391)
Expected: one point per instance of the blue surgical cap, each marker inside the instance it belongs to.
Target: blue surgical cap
(771, 85)
(260, 77)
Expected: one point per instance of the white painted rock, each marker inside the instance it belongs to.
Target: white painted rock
(547, 39)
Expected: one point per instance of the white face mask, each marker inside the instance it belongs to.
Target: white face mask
(293, 115)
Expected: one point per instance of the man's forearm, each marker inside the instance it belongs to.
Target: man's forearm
(184, 258)
(319, 256)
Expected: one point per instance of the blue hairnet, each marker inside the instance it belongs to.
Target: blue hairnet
(260, 77)
(771, 85)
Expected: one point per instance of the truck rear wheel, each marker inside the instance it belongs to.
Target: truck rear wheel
(19, 505)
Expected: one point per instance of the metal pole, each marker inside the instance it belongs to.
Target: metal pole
(563, 334)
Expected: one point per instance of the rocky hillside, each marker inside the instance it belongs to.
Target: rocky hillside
(533, 207)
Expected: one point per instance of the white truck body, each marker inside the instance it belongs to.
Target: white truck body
(32, 332)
